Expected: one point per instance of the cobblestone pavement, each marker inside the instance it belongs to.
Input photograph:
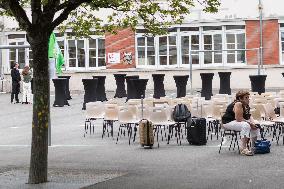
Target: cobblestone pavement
(89, 162)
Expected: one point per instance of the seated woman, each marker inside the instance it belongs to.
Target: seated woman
(238, 118)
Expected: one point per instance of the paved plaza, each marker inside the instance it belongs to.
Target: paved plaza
(91, 162)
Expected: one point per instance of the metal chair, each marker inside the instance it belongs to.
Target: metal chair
(94, 111)
(159, 119)
(111, 116)
(127, 118)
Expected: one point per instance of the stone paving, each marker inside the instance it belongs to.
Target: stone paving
(92, 162)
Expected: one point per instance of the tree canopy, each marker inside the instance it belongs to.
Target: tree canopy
(80, 15)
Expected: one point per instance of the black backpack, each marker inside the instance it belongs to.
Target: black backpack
(181, 113)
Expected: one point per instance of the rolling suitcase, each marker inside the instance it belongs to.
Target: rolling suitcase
(196, 131)
(146, 133)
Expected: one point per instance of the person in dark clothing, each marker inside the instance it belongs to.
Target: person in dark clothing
(16, 78)
(238, 118)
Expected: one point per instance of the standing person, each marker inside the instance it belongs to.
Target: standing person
(238, 118)
(27, 91)
(16, 78)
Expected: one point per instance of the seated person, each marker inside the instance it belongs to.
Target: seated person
(238, 118)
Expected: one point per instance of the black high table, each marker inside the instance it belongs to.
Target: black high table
(101, 91)
(258, 83)
(131, 90)
(60, 92)
(67, 85)
(159, 89)
(90, 87)
(206, 90)
(181, 81)
(120, 85)
(225, 84)
(139, 86)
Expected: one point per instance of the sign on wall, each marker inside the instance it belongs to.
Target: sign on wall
(113, 58)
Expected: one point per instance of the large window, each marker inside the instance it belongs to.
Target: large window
(190, 42)
(235, 41)
(212, 42)
(17, 55)
(282, 45)
(84, 53)
(76, 53)
(145, 50)
(96, 52)
(167, 50)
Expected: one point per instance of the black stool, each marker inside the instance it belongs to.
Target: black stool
(67, 86)
(101, 91)
(90, 87)
(258, 83)
(131, 92)
(181, 81)
(159, 89)
(225, 84)
(206, 90)
(120, 85)
(60, 92)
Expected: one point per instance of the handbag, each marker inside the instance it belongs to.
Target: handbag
(262, 146)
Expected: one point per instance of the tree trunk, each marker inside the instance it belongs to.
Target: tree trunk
(41, 103)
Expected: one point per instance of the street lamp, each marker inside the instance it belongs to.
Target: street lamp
(260, 7)
(1, 41)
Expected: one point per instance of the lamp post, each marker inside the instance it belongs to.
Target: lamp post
(260, 7)
(1, 41)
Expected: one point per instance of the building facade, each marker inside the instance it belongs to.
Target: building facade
(209, 43)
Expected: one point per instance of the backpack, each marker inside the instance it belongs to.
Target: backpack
(181, 113)
(262, 146)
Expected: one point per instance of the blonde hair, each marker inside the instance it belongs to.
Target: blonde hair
(240, 94)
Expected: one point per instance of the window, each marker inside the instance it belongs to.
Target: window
(208, 28)
(146, 50)
(72, 53)
(189, 29)
(235, 27)
(282, 45)
(16, 36)
(17, 55)
(188, 43)
(92, 52)
(178, 47)
(96, 52)
(101, 52)
(212, 42)
(167, 50)
(235, 41)
(30, 57)
(83, 52)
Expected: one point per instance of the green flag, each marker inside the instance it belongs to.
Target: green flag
(55, 52)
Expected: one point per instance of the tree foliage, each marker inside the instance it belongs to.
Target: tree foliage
(80, 15)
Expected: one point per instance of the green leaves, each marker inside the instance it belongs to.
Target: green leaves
(86, 16)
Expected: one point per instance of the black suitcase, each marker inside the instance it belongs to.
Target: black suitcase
(196, 131)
